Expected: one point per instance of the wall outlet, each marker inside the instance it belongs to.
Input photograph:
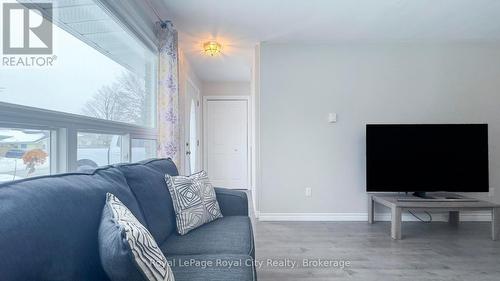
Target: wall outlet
(308, 192)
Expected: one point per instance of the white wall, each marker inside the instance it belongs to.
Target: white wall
(397, 83)
(255, 97)
(228, 88)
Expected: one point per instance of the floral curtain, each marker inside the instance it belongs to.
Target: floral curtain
(168, 93)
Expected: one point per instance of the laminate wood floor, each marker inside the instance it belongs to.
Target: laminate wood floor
(436, 251)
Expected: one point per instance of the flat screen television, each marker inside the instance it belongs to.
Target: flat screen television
(427, 158)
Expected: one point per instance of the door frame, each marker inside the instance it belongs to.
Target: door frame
(248, 99)
(199, 123)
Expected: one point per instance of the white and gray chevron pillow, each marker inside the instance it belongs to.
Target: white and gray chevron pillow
(145, 252)
(195, 202)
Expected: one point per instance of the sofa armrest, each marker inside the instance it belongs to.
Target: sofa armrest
(232, 202)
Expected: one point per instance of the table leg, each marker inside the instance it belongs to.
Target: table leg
(495, 223)
(371, 211)
(396, 223)
(454, 218)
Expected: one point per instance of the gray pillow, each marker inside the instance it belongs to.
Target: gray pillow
(194, 201)
(127, 249)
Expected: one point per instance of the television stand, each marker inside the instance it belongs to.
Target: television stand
(422, 195)
(436, 197)
(398, 204)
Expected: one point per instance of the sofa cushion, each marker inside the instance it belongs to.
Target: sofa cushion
(127, 250)
(228, 235)
(194, 200)
(162, 165)
(212, 267)
(232, 202)
(49, 225)
(146, 180)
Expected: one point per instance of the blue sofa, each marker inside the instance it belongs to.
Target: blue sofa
(49, 226)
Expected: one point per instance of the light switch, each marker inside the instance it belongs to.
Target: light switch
(332, 117)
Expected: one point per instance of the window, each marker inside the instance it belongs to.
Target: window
(100, 70)
(96, 105)
(24, 153)
(143, 149)
(96, 150)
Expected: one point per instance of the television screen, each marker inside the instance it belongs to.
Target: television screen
(425, 158)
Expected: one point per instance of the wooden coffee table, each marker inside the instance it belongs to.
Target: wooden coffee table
(453, 207)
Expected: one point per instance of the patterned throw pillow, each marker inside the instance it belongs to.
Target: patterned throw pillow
(127, 249)
(194, 201)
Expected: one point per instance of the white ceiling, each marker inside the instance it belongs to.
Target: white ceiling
(240, 24)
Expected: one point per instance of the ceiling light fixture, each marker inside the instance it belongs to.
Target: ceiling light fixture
(212, 48)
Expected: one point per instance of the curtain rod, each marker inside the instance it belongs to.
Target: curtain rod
(162, 22)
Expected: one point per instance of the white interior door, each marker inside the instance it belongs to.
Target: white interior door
(192, 130)
(226, 139)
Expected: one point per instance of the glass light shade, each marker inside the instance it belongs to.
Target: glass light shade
(212, 48)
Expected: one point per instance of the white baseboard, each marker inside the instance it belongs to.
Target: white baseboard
(313, 217)
(464, 216)
(256, 214)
